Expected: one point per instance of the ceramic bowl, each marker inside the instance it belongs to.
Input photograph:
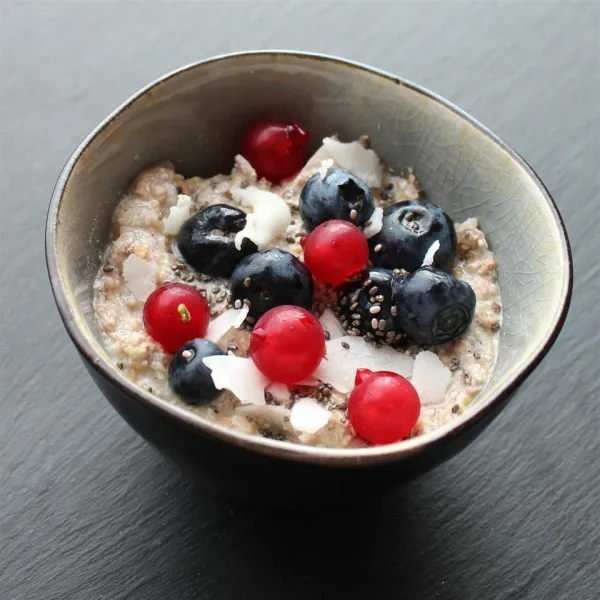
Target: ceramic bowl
(195, 117)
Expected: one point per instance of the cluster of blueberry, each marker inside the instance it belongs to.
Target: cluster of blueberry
(385, 291)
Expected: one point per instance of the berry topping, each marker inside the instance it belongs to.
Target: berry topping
(174, 314)
(206, 240)
(270, 278)
(365, 306)
(287, 344)
(189, 376)
(432, 306)
(338, 195)
(334, 251)
(408, 231)
(383, 407)
(275, 149)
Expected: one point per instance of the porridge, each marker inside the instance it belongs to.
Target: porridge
(405, 301)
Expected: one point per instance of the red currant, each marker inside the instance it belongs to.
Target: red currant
(275, 149)
(175, 314)
(287, 344)
(383, 407)
(334, 251)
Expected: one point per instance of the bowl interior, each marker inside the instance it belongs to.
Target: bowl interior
(195, 118)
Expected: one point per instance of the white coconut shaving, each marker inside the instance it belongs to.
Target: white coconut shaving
(178, 214)
(325, 166)
(347, 354)
(430, 377)
(376, 223)
(308, 416)
(232, 318)
(140, 276)
(430, 254)
(238, 375)
(244, 167)
(357, 159)
(280, 392)
(316, 160)
(331, 324)
(268, 220)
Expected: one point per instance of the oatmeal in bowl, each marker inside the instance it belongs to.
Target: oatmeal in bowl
(323, 302)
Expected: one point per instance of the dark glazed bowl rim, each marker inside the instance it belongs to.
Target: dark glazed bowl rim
(288, 451)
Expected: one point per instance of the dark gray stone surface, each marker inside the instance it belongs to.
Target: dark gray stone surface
(89, 511)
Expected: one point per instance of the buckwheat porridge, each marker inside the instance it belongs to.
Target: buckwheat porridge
(326, 303)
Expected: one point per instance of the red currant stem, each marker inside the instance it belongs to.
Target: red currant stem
(361, 375)
(184, 313)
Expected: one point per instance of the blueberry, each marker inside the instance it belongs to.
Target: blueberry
(365, 306)
(340, 195)
(189, 377)
(432, 306)
(207, 240)
(271, 278)
(409, 229)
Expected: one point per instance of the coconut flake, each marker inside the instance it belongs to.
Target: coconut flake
(269, 219)
(347, 354)
(357, 159)
(280, 392)
(140, 276)
(308, 415)
(430, 377)
(244, 167)
(374, 227)
(230, 319)
(316, 160)
(325, 166)
(430, 254)
(178, 214)
(331, 324)
(238, 375)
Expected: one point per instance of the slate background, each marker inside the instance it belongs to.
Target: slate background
(89, 511)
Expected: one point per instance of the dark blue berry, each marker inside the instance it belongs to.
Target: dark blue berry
(339, 195)
(431, 306)
(207, 240)
(189, 377)
(271, 278)
(365, 306)
(409, 229)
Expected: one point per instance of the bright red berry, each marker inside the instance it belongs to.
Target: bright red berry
(275, 149)
(175, 314)
(334, 251)
(287, 344)
(383, 407)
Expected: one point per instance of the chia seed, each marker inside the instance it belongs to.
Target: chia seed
(373, 291)
(346, 345)
(121, 366)
(326, 334)
(375, 309)
(353, 214)
(374, 323)
(378, 248)
(290, 240)
(108, 269)
(455, 408)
